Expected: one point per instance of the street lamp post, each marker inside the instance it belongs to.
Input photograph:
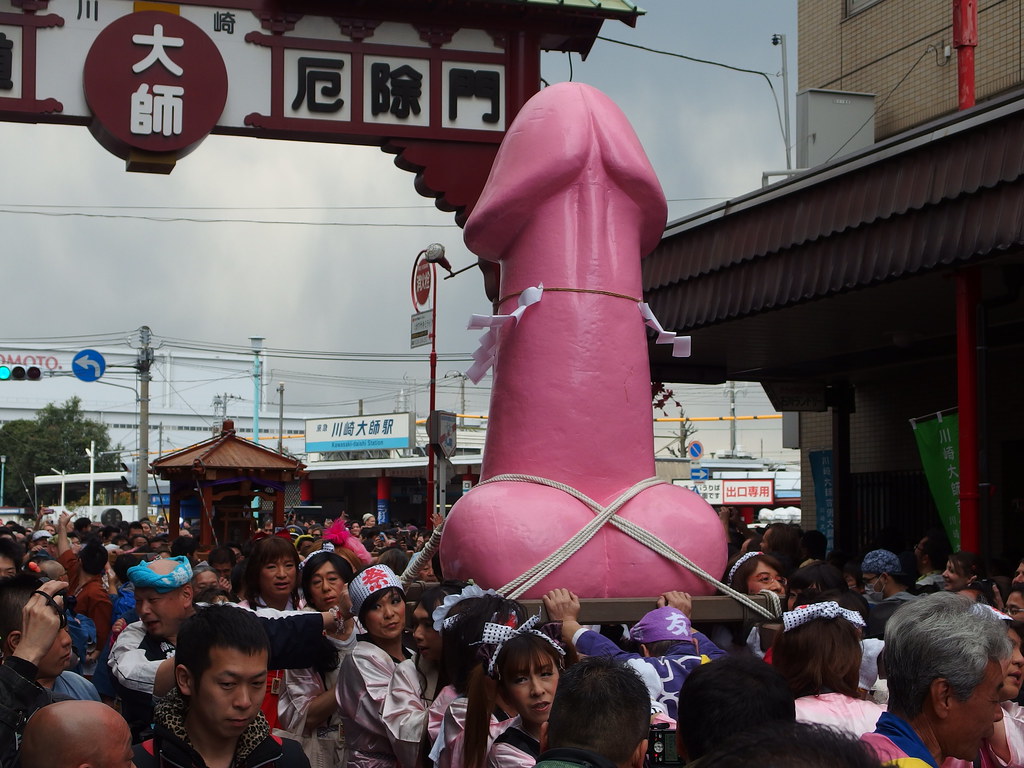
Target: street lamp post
(780, 39)
(432, 503)
(433, 254)
(257, 396)
(91, 453)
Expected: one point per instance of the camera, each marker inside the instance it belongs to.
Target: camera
(661, 746)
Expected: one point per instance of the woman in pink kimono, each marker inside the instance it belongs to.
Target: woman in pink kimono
(307, 708)
(378, 600)
(523, 668)
(417, 681)
(463, 618)
(819, 654)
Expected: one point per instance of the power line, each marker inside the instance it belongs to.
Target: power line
(196, 220)
(273, 352)
(95, 338)
(50, 206)
(687, 58)
(767, 76)
(881, 104)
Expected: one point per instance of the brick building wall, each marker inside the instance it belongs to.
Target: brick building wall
(874, 49)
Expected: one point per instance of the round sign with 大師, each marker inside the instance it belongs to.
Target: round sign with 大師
(155, 82)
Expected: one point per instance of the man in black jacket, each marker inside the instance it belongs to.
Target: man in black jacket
(141, 655)
(42, 617)
(212, 717)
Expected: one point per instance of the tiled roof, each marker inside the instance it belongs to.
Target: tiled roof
(226, 451)
(844, 266)
(949, 192)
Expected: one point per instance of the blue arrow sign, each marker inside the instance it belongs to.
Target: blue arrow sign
(88, 365)
(700, 473)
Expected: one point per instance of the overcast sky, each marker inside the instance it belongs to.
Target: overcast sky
(331, 281)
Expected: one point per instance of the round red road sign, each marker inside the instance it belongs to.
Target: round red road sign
(422, 274)
(154, 82)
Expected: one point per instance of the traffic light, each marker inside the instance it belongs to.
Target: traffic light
(129, 478)
(20, 373)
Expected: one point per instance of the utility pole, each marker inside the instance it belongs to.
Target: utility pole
(732, 417)
(280, 418)
(92, 477)
(220, 410)
(257, 396)
(145, 362)
(462, 399)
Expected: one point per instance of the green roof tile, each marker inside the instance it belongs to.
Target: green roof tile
(609, 7)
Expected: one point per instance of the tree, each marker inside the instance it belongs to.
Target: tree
(57, 438)
(662, 396)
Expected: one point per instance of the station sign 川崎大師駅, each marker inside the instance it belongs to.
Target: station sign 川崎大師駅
(381, 431)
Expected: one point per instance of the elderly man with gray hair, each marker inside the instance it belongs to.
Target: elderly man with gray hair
(946, 658)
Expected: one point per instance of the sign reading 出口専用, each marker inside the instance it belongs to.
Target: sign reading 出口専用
(185, 70)
(748, 491)
(381, 431)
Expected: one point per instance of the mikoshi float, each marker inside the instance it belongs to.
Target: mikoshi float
(568, 495)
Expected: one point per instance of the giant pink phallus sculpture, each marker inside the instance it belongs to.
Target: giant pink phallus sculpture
(571, 206)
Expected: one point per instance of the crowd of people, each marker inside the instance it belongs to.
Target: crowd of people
(305, 646)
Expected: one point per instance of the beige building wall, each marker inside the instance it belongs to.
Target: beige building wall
(895, 50)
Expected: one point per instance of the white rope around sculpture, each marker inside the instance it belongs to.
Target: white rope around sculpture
(608, 514)
(413, 568)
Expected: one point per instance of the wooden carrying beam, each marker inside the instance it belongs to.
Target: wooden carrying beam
(717, 609)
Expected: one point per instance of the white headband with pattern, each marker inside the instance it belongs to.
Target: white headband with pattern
(499, 634)
(738, 563)
(441, 612)
(829, 610)
(326, 547)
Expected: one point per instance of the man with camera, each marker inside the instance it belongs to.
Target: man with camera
(32, 628)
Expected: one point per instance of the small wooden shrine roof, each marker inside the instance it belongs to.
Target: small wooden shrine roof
(227, 451)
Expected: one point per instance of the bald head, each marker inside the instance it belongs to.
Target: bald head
(64, 735)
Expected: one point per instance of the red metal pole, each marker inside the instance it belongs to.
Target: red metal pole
(968, 282)
(433, 393)
(968, 289)
(965, 39)
(383, 497)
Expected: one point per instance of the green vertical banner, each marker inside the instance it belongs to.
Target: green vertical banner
(937, 441)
